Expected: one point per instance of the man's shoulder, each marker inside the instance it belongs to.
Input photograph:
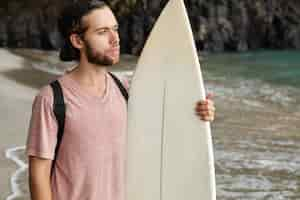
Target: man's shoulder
(45, 94)
(46, 90)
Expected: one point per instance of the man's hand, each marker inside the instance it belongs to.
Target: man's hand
(206, 109)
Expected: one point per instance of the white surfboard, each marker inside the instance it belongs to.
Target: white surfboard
(170, 154)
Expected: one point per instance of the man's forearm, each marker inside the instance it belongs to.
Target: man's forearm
(40, 188)
(39, 179)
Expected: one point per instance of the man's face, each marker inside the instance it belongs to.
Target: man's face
(101, 40)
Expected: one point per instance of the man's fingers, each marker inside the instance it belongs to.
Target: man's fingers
(205, 108)
(200, 103)
(205, 113)
(205, 102)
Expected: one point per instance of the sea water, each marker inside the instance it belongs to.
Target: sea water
(256, 133)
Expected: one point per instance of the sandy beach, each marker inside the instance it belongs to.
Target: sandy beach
(16, 93)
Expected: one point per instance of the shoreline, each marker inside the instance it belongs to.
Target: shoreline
(22, 167)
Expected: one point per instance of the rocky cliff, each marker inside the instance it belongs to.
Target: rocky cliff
(218, 25)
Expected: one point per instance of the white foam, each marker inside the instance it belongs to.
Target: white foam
(10, 154)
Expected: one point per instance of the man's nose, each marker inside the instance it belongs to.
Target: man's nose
(114, 37)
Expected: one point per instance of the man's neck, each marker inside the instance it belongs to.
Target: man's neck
(89, 75)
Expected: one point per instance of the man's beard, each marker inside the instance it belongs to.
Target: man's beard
(97, 58)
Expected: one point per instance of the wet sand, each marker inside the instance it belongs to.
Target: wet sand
(16, 94)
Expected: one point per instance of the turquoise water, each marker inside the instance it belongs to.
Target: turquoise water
(276, 67)
(269, 76)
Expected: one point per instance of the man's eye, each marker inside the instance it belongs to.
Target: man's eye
(102, 32)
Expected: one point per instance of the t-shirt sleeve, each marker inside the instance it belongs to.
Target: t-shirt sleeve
(42, 133)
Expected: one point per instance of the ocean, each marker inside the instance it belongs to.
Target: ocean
(257, 129)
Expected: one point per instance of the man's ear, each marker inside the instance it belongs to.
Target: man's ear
(76, 41)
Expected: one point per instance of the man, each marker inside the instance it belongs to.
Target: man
(90, 162)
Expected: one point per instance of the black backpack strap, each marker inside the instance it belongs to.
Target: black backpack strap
(59, 110)
(121, 86)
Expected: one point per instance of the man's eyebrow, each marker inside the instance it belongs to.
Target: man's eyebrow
(106, 27)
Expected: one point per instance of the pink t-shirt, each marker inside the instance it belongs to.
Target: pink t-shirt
(91, 159)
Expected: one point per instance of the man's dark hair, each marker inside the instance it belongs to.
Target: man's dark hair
(70, 21)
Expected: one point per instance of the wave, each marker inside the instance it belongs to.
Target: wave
(11, 154)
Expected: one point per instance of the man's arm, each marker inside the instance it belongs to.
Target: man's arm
(39, 178)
